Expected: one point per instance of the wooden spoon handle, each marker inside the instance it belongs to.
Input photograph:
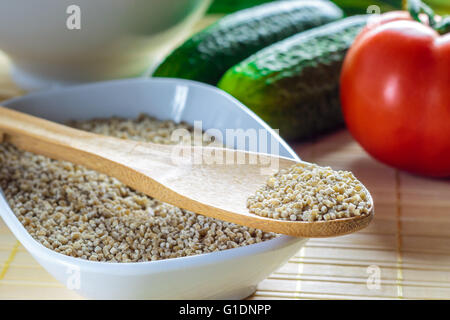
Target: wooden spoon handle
(122, 159)
(48, 138)
(16, 123)
(97, 152)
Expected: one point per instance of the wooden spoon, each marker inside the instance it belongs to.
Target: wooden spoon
(169, 174)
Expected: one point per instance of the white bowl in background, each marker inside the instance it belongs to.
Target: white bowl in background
(116, 38)
(228, 274)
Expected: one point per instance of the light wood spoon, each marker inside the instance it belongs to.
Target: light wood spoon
(164, 172)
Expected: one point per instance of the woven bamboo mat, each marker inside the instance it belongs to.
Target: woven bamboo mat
(406, 247)
(407, 244)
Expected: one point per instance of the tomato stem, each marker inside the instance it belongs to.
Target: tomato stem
(443, 26)
(417, 7)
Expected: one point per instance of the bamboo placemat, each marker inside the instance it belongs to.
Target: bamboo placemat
(407, 244)
(408, 241)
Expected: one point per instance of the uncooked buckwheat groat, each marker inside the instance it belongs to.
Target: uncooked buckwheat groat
(310, 193)
(85, 214)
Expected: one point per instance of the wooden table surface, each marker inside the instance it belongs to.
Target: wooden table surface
(406, 247)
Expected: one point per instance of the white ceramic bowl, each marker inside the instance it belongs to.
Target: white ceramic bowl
(232, 273)
(117, 38)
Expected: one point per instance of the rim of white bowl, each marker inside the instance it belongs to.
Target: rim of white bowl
(36, 248)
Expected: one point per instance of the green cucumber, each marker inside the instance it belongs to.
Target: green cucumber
(294, 84)
(229, 6)
(208, 54)
(352, 7)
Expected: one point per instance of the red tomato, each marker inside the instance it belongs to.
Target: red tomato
(395, 94)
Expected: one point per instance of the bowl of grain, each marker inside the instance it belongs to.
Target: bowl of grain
(107, 241)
